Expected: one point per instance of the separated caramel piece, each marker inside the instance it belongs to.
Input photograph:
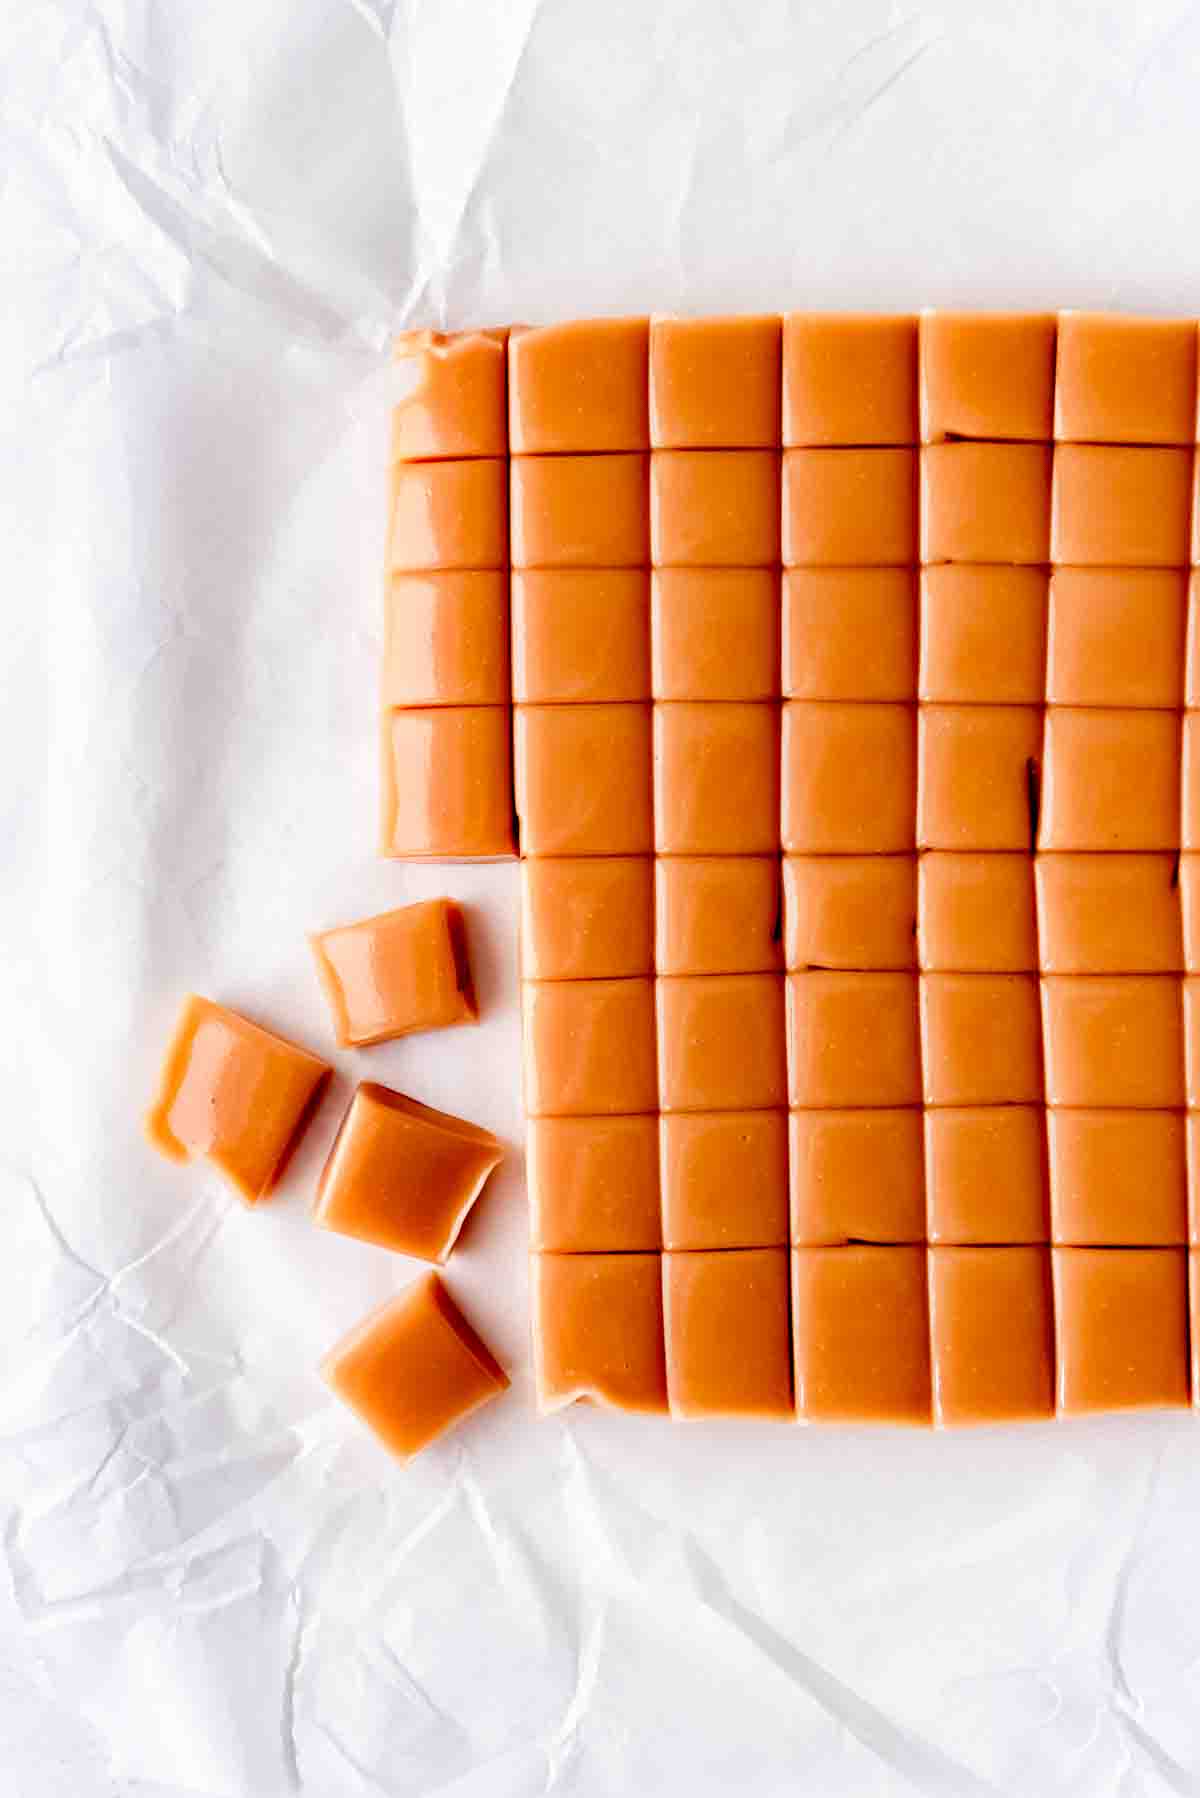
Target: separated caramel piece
(977, 776)
(850, 911)
(589, 1047)
(714, 383)
(1117, 1177)
(1113, 1041)
(580, 634)
(414, 1368)
(583, 779)
(1125, 380)
(1109, 914)
(981, 1039)
(849, 778)
(975, 914)
(724, 1179)
(717, 914)
(987, 374)
(1116, 637)
(593, 1184)
(1121, 508)
(449, 515)
(457, 407)
(850, 633)
(853, 1039)
(402, 1174)
(579, 386)
(849, 379)
(1110, 780)
(598, 1331)
(721, 1044)
(860, 1326)
(985, 1174)
(580, 512)
(587, 917)
(729, 1346)
(716, 779)
(857, 1176)
(714, 508)
(983, 635)
(986, 502)
(234, 1093)
(395, 973)
(1189, 893)
(1121, 1331)
(1189, 835)
(445, 639)
(849, 507)
(991, 1320)
(447, 783)
(715, 633)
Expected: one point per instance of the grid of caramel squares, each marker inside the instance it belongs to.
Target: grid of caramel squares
(833, 677)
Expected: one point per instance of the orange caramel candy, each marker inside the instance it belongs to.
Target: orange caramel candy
(981, 1039)
(849, 777)
(849, 507)
(1189, 894)
(583, 779)
(714, 508)
(457, 407)
(1110, 780)
(716, 779)
(593, 1184)
(724, 1179)
(849, 911)
(715, 633)
(985, 502)
(991, 1320)
(403, 1175)
(977, 776)
(714, 383)
(987, 375)
(861, 1331)
(414, 1368)
(580, 634)
(853, 1039)
(589, 1047)
(446, 639)
(1125, 379)
(1114, 1040)
(1121, 508)
(983, 634)
(1189, 835)
(580, 512)
(395, 973)
(1116, 637)
(985, 1170)
(1109, 914)
(1118, 1177)
(711, 1302)
(976, 913)
(587, 917)
(717, 914)
(578, 387)
(850, 633)
(447, 790)
(849, 379)
(449, 515)
(721, 1042)
(857, 1176)
(598, 1331)
(1122, 1328)
(234, 1093)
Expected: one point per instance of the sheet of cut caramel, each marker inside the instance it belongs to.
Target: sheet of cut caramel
(851, 671)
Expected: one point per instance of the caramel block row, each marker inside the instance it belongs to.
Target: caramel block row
(868, 1334)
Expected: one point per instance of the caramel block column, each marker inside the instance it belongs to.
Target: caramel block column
(1109, 875)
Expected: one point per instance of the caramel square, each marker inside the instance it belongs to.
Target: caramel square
(714, 1300)
(724, 1179)
(1110, 780)
(1113, 1041)
(1189, 894)
(981, 1039)
(1116, 637)
(717, 914)
(447, 783)
(721, 1044)
(985, 502)
(587, 917)
(714, 383)
(716, 779)
(1190, 782)
(593, 1184)
(991, 1321)
(1121, 508)
(850, 911)
(456, 408)
(578, 387)
(975, 914)
(857, 1176)
(449, 515)
(589, 1047)
(598, 1331)
(850, 633)
(987, 374)
(714, 508)
(983, 635)
(580, 512)
(860, 1326)
(1109, 914)
(849, 508)
(583, 779)
(1125, 380)
(853, 1040)
(849, 379)
(977, 771)
(395, 973)
(445, 639)
(580, 635)
(715, 633)
(849, 778)
(1118, 1177)
(1121, 1328)
(985, 1174)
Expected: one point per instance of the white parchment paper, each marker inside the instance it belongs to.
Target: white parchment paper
(211, 1580)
